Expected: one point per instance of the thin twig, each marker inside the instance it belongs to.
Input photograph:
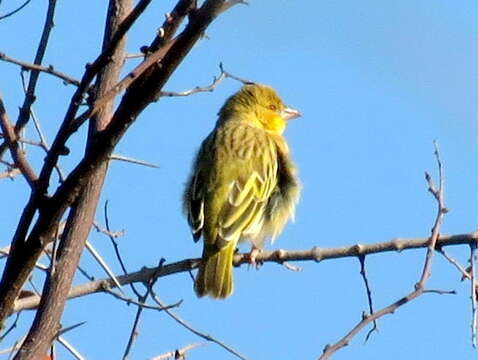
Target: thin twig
(209, 88)
(99, 259)
(113, 234)
(63, 330)
(13, 326)
(134, 56)
(15, 11)
(42, 143)
(132, 301)
(438, 194)
(369, 295)
(10, 173)
(465, 274)
(30, 96)
(133, 160)
(439, 292)
(116, 247)
(14, 348)
(178, 354)
(76, 354)
(46, 69)
(196, 332)
(134, 332)
(473, 293)
(231, 3)
(17, 154)
(139, 311)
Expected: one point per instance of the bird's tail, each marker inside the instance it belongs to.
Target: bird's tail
(215, 272)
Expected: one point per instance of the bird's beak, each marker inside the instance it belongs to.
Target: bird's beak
(289, 113)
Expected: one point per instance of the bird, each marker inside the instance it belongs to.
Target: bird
(243, 185)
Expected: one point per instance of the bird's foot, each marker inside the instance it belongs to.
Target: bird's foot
(252, 257)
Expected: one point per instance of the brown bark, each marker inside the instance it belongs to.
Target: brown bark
(47, 320)
(144, 90)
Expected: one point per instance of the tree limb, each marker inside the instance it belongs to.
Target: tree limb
(81, 216)
(17, 154)
(24, 114)
(278, 256)
(46, 69)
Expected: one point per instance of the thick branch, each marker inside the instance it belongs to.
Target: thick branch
(142, 92)
(25, 251)
(81, 216)
(277, 256)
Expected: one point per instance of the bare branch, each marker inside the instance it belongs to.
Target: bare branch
(76, 354)
(83, 207)
(206, 337)
(140, 94)
(116, 248)
(15, 11)
(426, 272)
(10, 173)
(13, 326)
(465, 274)
(141, 304)
(17, 154)
(473, 293)
(178, 354)
(104, 265)
(113, 234)
(230, 3)
(133, 160)
(369, 295)
(24, 114)
(46, 69)
(209, 88)
(278, 256)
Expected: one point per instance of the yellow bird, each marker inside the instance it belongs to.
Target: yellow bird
(243, 185)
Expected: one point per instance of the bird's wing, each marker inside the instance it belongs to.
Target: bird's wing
(242, 212)
(195, 204)
(194, 194)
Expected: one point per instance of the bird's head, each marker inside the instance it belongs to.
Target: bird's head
(259, 105)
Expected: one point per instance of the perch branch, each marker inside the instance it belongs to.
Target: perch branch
(278, 256)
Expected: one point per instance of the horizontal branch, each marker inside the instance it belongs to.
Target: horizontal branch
(46, 69)
(277, 256)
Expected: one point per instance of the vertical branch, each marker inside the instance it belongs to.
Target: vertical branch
(438, 194)
(24, 114)
(80, 218)
(369, 295)
(25, 251)
(144, 90)
(473, 292)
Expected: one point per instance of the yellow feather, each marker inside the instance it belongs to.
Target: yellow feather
(243, 184)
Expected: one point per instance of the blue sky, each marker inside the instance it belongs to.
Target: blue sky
(376, 81)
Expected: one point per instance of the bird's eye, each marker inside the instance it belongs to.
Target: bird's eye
(273, 107)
